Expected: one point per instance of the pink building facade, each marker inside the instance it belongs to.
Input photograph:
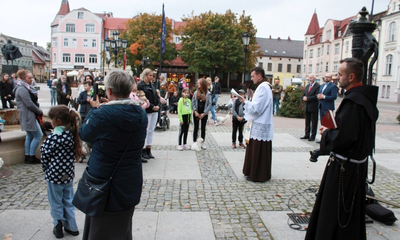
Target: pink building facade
(75, 40)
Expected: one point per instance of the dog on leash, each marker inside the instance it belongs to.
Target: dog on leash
(196, 146)
(222, 120)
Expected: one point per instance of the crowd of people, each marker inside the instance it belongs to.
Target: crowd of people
(130, 111)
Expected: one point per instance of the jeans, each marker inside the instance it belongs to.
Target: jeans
(276, 105)
(32, 140)
(215, 100)
(151, 124)
(60, 198)
(53, 94)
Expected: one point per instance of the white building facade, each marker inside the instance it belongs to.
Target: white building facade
(388, 78)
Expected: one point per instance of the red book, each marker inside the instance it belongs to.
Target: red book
(329, 120)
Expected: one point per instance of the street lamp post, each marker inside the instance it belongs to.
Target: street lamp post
(246, 41)
(116, 45)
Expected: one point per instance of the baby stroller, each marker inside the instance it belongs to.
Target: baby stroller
(164, 119)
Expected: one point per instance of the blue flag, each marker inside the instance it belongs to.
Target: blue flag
(163, 31)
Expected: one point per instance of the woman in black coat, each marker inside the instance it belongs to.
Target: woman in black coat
(6, 88)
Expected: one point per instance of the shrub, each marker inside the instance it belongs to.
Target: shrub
(398, 118)
(292, 103)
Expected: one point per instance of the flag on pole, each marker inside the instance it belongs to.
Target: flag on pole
(163, 31)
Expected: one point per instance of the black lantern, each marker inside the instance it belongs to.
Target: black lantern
(246, 41)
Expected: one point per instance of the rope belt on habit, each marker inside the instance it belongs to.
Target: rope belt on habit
(349, 159)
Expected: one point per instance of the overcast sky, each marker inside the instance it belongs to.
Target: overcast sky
(31, 20)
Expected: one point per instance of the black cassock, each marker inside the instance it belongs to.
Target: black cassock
(339, 210)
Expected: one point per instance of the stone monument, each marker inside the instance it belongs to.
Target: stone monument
(10, 53)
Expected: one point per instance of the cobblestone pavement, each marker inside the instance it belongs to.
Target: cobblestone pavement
(233, 204)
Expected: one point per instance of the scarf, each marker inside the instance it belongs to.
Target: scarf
(29, 87)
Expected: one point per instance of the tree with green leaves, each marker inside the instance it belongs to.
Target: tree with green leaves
(212, 42)
(143, 34)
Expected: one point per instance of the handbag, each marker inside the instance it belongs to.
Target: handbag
(92, 193)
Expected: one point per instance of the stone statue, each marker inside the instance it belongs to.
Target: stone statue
(10, 51)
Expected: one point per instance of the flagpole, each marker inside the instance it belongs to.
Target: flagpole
(162, 41)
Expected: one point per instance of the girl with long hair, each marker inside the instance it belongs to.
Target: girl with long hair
(201, 105)
(6, 88)
(60, 151)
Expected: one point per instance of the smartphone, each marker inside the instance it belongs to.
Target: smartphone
(99, 90)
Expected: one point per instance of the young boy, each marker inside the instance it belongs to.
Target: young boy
(237, 120)
(84, 99)
(174, 103)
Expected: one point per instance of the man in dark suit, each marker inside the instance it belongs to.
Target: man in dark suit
(327, 95)
(311, 108)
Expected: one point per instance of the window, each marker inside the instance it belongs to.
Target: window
(289, 68)
(54, 42)
(305, 42)
(298, 70)
(85, 43)
(337, 48)
(54, 58)
(70, 27)
(65, 42)
(313, 41)
(311, 53)
(392, 31)
(74, 42)
(335, 66)
(66, 57)
(319, 52)
(383, 91)
(347, 46)
(177, 39)
(79, 58)
(310, 68)
(305, 53)
(328, 49)
(328, 34)
(94, 43)
(80, 15)
(269, 67)
(388, 91)
(389, 61)
(339, 33)
(327, 67)
(322, 50)
(317, 69)
(92, 58)
(89, 27)
(260, 64)
(279, 67)
(304, 69)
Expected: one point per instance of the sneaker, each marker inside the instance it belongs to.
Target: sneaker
(215, 123)
(58, 230)
(186, 147)
(233, 145)
(180, 148)
(242, 145)
(73, 233)
(202, 146)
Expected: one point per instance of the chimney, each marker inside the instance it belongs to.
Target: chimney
(35, 44)
(279, 38)
(269, 36)
(288, 38)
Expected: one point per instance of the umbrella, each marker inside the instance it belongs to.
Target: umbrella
(73, 73)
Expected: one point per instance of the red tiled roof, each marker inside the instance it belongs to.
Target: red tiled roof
(64, 9)
(177, 62)
(36, 59)
(179, 24)
(313, 27)
(115, 23)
